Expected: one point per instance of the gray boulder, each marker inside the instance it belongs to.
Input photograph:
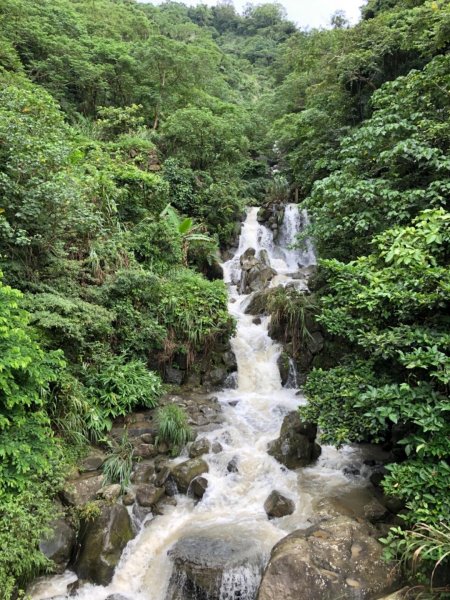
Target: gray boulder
(93, 460)
(148, 495)
(102, 543)
(296, 446)
(185, 472)
(199, 447)
(83, 489)
(339, 558)
(59, 545)
(256, 272)
(277, 505)
(198, 487)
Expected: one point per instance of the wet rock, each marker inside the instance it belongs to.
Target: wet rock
(93, 461)
(232, 466)
(110, 492)
(199, 447)
(198, 487)
(59, 545)
(257, 321)
(216, 448)
(229, 360)
(148, 495)
(277, 505)
(174, 376)
(140, 513)
(233, 403)
(339, 558)
(202, 565)
(129, 497)
(359, 503)
(146, 451)
(258, 304)
(62, 585)
(117, 597)
(283, 367)
(102, 543)
(162, 477)
(351, 472)
(256, 272)
(185, 472)
(78, 491)
(231, 382)
(143, 472)
(296, 445)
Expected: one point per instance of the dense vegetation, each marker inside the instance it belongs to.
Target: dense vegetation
(131, 138)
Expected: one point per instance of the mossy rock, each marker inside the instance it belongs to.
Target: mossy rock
(102, 543)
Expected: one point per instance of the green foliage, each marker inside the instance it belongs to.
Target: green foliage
(290, 311)
(120, 385)
(24, 518)
(119, 462)
(391, 168)
(173, 426)
(424, 543)
(30, 454)
(27, 445)
(334, 403)
(195, 313)
(202, 139)
(392, 306)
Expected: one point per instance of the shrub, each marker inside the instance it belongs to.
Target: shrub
(173, 426)
(119, 386)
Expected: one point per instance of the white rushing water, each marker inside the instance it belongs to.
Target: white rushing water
(233, 506)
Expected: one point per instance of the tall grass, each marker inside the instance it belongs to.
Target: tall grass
(173, 426)
(290, 309)
(119, 463)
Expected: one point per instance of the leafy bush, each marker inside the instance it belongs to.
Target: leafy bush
(120, 385)
(195, 313)
(30, 455)
(24, 519)
(173, 426)
(392, 307)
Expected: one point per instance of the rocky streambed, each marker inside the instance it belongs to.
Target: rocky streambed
(254, 508)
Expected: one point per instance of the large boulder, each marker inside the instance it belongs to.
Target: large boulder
(58, 546)
(204, 567)
(296, 446)
(148, 495)
(339, 558)
(185, 472)
(93, 461)
(256, 272)
(198, 487)
(102, 542)
(277, 505)
(199, 447)
(83, 489)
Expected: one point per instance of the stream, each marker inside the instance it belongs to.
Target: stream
(232, 509)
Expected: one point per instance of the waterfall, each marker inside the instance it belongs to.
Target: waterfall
(232, 508)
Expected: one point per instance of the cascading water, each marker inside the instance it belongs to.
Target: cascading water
(232, 509)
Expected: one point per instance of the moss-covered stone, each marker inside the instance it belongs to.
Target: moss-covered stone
(103, 540)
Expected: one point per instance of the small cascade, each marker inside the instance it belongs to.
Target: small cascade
(240, 583)
(231, 513)
(292, 379)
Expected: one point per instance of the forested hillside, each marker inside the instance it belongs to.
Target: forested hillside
(131, 139)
